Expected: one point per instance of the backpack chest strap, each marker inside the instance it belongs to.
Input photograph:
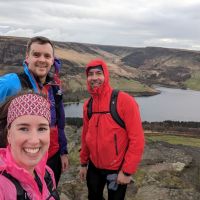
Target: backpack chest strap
(113, 109)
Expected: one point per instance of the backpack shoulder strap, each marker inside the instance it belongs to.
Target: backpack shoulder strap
(48, 180)
(21, 193)
(89, 108)
(57, 93)
(113, 109)
(49, 183)
(25, 82)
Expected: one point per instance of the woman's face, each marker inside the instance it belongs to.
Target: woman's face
(29, 138)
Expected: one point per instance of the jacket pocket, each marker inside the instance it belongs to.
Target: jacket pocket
(115, 142)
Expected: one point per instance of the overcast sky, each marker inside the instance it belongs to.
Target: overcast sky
(135, 23)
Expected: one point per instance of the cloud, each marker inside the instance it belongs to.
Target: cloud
(171, 23)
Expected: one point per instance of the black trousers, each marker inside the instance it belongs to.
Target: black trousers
(96, 181)
(55, 164)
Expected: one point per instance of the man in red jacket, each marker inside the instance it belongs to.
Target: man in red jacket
(109, 153)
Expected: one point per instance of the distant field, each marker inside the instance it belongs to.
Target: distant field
(76, 84)
(123, 84)
(188, 141)
(129, 85)
(2, 72)
(194, 82)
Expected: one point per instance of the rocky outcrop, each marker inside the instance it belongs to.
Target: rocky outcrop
(12, 53)
(167, 172)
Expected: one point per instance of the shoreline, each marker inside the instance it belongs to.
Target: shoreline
(167, 123)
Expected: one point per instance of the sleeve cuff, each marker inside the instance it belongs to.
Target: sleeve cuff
(83, 165)
(64, 152)
(126, 174)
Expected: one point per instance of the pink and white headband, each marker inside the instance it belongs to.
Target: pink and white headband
(28, 104)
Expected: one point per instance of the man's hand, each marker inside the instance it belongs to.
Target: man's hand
(123, 179)
(83, 173)
(64, 162)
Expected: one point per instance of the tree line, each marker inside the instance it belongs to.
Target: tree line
(155, 126)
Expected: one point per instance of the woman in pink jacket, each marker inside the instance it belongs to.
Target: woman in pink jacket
(24, 134)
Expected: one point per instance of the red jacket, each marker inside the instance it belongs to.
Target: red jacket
(104, 142)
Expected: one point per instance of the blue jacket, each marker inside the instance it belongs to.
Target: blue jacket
(12, 83)
(9, 86)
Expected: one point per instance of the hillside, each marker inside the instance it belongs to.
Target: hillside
(132, 69)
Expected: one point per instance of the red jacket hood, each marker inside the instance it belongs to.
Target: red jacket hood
(106, 85)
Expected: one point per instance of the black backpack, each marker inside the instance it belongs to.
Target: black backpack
(112, 111)
(22, 194)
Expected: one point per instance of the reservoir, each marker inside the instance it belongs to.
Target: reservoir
(170, 104)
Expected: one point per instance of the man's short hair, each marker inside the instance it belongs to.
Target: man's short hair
(39, 40)
(99, 67)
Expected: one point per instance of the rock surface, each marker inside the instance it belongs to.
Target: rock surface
(167, 172)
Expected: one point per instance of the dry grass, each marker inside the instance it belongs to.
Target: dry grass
(129, 85)
(174, 139)
(74, 56)
(194, 81)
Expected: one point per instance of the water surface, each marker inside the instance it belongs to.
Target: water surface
(170, 104)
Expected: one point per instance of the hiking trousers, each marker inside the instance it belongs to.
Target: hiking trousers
(96, 181)
(55, 164)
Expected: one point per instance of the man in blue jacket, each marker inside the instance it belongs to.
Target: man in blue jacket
(37, 77)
